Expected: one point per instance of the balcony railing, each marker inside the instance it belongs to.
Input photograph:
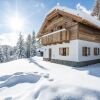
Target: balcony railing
(55, 37)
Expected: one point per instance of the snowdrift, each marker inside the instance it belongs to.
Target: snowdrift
(35, 79)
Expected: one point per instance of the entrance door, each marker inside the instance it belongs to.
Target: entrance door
(50, 54)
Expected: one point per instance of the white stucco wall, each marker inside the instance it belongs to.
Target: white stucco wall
(92, 45)
(75, 51)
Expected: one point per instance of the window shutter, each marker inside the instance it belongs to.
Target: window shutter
(98, 51)
(83, 51)
(60, 51)
(88, 51)
(67, 51)
(95, 51)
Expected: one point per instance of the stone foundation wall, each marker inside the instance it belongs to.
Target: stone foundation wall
(72, 63)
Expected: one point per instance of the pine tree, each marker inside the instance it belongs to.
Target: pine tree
(38, 44)
(6, 52)
(96, 9)
(21, 47)
(28, 46)
(33, 50)
(1, 56)
(33, 38)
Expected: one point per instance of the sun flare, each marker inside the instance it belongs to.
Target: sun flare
(16, 23)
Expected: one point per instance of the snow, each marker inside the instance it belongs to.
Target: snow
(35, 79)
(18, 78)
(81, 7)
(79, 12)
(54, 32)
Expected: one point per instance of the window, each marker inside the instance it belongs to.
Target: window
(60, 27)
(96, 51)
(64, 51)
(86, 51)
(52, 30)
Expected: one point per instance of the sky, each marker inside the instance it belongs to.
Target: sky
(31, 13)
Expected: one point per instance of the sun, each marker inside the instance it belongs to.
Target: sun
(16, 23)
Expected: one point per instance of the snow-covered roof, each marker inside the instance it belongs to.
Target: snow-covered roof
(78, 13)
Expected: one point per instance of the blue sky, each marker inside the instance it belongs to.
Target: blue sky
(33, 11)
(32, 14)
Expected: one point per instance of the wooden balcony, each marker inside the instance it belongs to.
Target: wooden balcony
(55, 37)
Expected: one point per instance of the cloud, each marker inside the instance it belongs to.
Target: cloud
(40, 5)
(81, 7)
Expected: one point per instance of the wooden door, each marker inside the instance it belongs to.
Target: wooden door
(50, 54)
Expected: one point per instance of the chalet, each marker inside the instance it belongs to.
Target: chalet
(70, 37)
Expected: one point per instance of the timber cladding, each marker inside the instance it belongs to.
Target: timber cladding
(88, 33)
(58, 37)
(75, 29)
(55, 23)
(60, 17)
(69, 27)
(55, 19)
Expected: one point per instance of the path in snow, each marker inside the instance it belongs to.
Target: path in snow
(18, 78)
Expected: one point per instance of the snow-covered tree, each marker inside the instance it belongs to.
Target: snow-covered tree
(33, 50)
(96, 9)
(28, 46)
(38, 44)
(1, 56)
(6, 53)
(33, 38)
(20, 47)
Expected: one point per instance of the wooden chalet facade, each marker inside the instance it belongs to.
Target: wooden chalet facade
(69, 38)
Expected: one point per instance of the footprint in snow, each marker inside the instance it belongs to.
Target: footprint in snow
(51, 79)
(46, 76)
(18, 73)
(8, 98)
(41, 74)
(36, 72)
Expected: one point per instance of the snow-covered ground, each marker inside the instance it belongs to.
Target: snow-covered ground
(35, 79)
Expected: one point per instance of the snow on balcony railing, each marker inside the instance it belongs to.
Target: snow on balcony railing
(54, 32)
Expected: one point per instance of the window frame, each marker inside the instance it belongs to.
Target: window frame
(64, 51)
(96, 51)
(86, 51)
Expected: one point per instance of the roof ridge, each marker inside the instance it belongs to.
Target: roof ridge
(78, 13)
